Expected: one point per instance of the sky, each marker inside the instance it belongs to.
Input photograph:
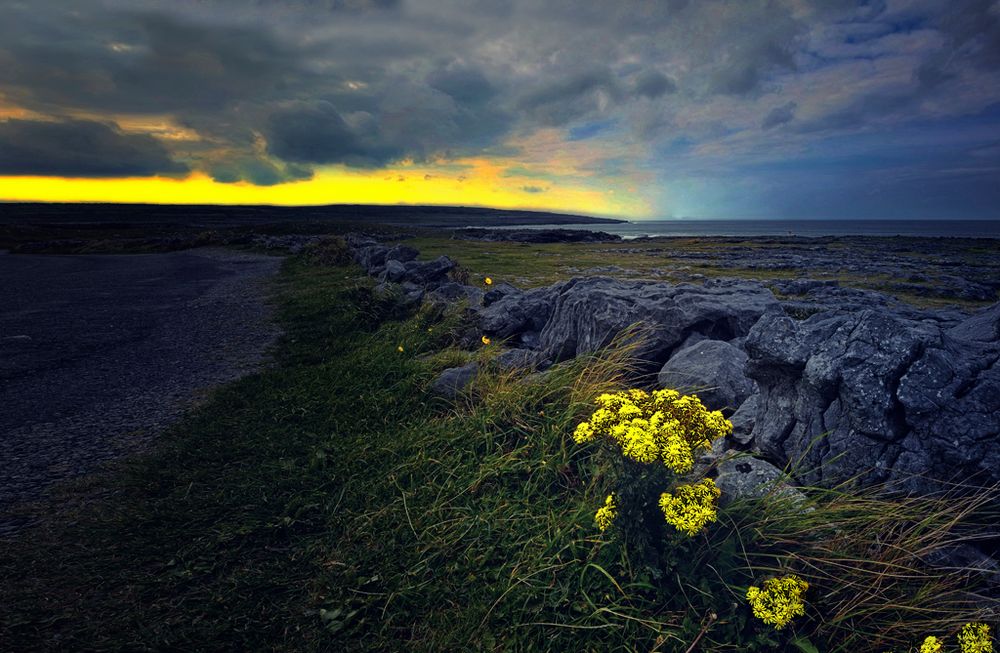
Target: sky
(758, 109)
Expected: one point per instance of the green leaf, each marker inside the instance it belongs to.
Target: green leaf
(804, 645)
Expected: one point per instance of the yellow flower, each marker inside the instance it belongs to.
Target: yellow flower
(583, 433)
(488, 281)
(931, 645)
(606, 514)
(690, 507)
(400, 349)
(975, 638)
(485, 340)
(779, 600)
(663, 426)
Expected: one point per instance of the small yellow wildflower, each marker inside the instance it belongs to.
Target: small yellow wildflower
(975, 638)
(488, 281)
(400, 349)
(690, 507)
(779, 600)
(931, 645)
(606, 514)
(583, 433)
(485, 340)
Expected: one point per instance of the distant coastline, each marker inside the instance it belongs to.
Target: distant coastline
(797, 228)
(211, 215)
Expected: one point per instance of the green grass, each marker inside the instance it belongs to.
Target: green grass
(329, 503)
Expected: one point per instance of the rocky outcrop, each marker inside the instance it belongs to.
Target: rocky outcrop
(711, 369)
(744, 420)
(746, 477)
(588, 313)
(984, 326)
(518, 314)
(871, 397)
(453, 292)
(846, 385)
(397, 264)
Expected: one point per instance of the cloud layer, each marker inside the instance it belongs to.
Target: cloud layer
(770, 108)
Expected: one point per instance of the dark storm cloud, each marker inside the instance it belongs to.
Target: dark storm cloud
(748, 66)
(316, 133)
(779, 116)
(564, 99)
(139, 62)
(653, 84)
(80, 148)
(465, 85)
(257, 171)
(533, 189)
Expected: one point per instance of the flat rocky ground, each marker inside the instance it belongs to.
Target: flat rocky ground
(99, 353)
(926, 272)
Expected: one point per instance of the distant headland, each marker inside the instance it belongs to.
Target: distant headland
(211, 215)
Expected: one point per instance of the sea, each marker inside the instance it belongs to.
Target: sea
(806, 228)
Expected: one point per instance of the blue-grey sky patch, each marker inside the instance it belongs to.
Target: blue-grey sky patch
(779, 116)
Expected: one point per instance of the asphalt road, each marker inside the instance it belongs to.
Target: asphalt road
(99, 353)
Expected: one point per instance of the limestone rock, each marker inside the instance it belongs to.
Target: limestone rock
(712, 369)
(451, 382)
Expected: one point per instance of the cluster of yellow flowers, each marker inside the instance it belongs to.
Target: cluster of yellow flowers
(664, 426)
(931, 645)
(975, 638)
(779, 600)
(606, 514)
(690, 507)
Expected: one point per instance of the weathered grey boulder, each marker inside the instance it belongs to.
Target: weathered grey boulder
(451, 382)
(401, 253)
(984, 326)
(747, 477)
(357, 241)
(453, 291)
(743, 420)
(871, 397)
(513, 359)
(498, 291)
(429, 272)
(393, 271)
(588, 313)
(518, 312)
(405, 294)
(371, 256)
(713, 370)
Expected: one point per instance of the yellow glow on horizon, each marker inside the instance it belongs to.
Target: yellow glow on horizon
(480, 182)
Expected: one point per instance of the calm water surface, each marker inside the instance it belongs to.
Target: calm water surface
(811, 228)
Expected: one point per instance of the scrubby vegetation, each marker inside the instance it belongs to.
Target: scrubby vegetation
(328, 503)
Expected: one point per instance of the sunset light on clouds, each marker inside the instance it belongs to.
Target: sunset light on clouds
(639, 109)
